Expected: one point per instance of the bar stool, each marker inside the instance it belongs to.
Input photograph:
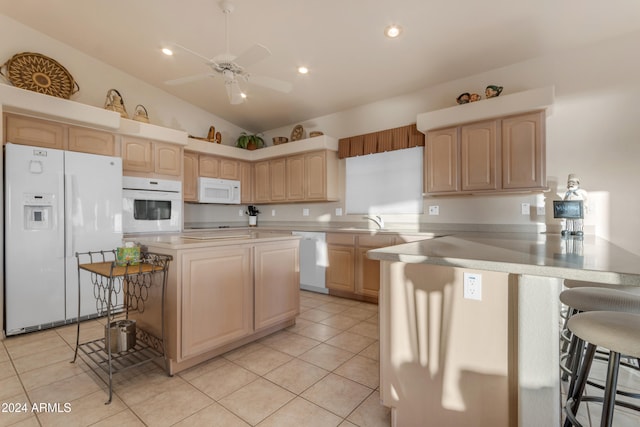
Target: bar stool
(571, 284)
(619, 333)
(585, 299)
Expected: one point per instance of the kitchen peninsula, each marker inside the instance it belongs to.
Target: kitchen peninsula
(485, 353)
(224, 289)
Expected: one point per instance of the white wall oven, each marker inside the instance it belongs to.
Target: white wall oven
(151, 205)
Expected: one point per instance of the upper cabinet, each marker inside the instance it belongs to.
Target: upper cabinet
(47, 134)
(141, 157)
(500, 155)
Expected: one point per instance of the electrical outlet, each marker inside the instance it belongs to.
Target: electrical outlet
(305, 211)
(273, 212)
(472, 286)
(434, 210)
(524, 208)
(540, 210)
(240, 212)
(338, 211)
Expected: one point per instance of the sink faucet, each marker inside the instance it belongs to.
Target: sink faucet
(377, 219)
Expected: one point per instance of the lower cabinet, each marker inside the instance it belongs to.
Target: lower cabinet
(277, 279)
(217, 298)
(350, 272)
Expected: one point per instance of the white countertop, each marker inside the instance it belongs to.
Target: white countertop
(548, 255)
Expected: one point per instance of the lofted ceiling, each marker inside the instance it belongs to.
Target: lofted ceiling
(341, 41)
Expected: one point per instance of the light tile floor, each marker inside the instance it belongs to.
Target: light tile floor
(323, 371)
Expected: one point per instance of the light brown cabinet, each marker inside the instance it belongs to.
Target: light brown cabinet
(246, 182)
(276, 283)
(261, 182)
(340, 273)
(190, 179)
(217, 298)
(43, 133)
(350, 272)
(142, 157)
(310, 176)
(506, 154)
(209, 166)
(36, 132)
(92, 141)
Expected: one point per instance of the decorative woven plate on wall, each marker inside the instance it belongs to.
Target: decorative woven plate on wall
(38, 73)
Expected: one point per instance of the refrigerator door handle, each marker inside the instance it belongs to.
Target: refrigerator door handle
(58, 219)
(68, 214)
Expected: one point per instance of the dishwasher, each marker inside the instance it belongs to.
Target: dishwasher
(313, 261)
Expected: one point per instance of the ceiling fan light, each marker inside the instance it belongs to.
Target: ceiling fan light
(393, 31)
(167, 51)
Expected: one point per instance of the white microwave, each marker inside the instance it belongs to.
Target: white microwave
(151, 205)
(214, 190)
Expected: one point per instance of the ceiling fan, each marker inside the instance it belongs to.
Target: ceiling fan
(233, 68)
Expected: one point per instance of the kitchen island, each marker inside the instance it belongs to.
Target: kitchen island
(224, 289)
(488, 356)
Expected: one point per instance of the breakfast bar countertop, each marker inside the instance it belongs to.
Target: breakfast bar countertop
(549, 255)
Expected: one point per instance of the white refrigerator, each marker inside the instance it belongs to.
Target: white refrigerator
(57, 203)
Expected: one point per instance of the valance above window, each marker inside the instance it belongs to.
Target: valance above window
(381, 141)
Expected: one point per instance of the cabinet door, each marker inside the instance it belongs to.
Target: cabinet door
(479, 156)
(523, 149)
(246, 182)
(315, 175)
(229, 169)
(209, 321)
(39, 133)
(368, 270)
(278, 179)
(137, 155)
(92, 141)
(190, 179)
(277, 283)
(340, 271)
(441, 161)
(262, 182)
(209, 166)
(168, 159)
(295, 178)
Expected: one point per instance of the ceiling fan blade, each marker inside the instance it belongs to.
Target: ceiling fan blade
(255, 53)
(188, 79)
(270, 83)
(234, 92)
(192, 52)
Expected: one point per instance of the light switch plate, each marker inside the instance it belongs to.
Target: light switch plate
(338, 211)
(524, 208)
(240, 212)
(540, 210)
(305, 211)
(273, 212)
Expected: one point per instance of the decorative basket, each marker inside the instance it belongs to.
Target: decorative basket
(39, 73)
(140, 114)
(277, 140)
(115, 103)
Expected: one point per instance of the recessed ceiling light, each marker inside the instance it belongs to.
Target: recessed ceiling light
(303, 70)
(393, 31)
(167, 51)
(243, 95)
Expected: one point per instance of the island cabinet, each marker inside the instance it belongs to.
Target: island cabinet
(350, 273)
(222, 294)
(141, 157)
(47, 134)
(500, 155)
(217, 298)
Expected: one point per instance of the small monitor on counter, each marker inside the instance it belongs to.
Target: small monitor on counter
(569, 209)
